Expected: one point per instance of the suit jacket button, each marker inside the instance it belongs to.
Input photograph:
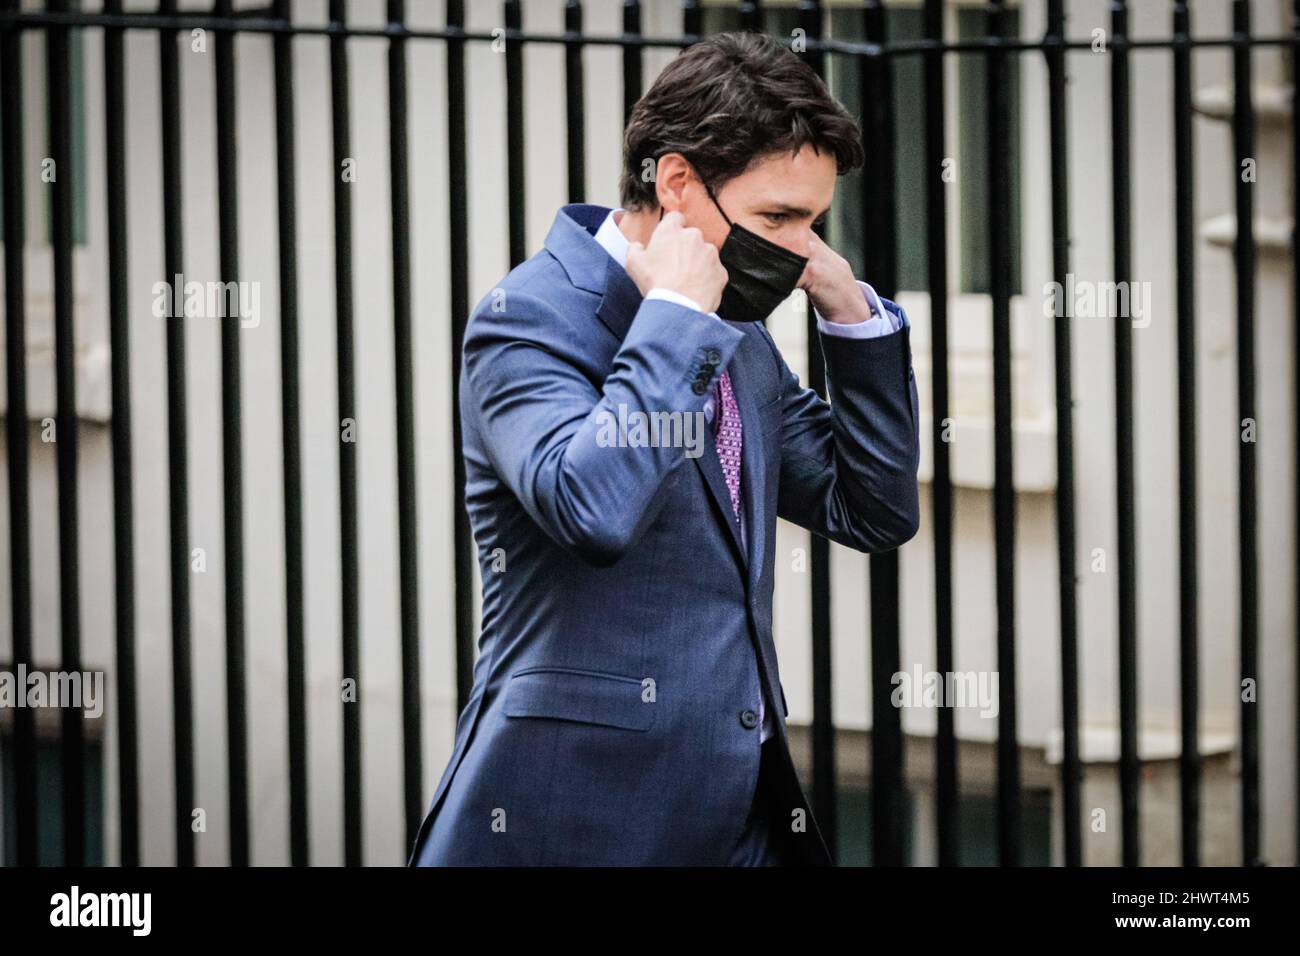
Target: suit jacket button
(712, 356)
(699, 387)
(749, 719)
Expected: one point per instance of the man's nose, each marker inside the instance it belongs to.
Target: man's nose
(800, 243)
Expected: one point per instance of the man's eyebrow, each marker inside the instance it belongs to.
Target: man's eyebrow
(792, 210)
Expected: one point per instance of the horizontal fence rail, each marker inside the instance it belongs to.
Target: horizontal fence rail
(872, 59)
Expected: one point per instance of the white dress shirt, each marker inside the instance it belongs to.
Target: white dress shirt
(881, 322)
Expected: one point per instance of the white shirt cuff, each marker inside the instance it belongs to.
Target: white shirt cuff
(882, 321)
(671, 296)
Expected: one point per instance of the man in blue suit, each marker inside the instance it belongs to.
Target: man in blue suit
(631, 435)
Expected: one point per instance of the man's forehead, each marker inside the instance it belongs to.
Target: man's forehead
(788, 184)
(796, 199)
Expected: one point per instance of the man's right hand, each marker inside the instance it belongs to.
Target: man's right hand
(678, 258)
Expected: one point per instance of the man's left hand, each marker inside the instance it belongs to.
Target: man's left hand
(829, 281)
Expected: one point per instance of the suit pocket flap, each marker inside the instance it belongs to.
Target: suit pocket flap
(589, 697)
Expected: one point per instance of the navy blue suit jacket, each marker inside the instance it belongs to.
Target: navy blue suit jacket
(626, 635)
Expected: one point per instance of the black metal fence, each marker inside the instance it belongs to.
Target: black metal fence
(872, 58)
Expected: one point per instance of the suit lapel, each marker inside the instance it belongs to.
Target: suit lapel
(621, 299)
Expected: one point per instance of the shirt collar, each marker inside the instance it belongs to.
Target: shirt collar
(612, 239)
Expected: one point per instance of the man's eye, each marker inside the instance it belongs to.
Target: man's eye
(819, 221)
(775, 218)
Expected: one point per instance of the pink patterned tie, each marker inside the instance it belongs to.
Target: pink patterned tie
(727, 434)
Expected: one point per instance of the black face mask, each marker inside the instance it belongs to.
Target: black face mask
(760, 274)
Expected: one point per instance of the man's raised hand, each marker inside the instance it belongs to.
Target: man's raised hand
(677, 258)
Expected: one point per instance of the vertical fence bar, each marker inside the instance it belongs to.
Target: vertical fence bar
(1189, 766)
(575, 102)
(231, 440)
(286, 173)
(16, 447)
(458, 244)
(1071, 765)
(177, 440)
(936, 221)
(407, 490)
(123, 511)
(341, 125)
(1004, 493)
(692, 18)
(72, 739)
(1126, 558)
(824, 789)
(632, 75)
(1243, 143)
(881, 267)
(1295, 323)
(515, 135)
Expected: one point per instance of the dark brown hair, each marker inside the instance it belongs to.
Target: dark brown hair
(726, 102)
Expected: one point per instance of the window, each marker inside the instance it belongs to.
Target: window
(49, 790)
(854, 824)
(976, 822)
(85, 100)
(967, 112)
(778, 20)
(37, 135)
(972, 147)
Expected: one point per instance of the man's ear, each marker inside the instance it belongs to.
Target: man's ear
(672, 173)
